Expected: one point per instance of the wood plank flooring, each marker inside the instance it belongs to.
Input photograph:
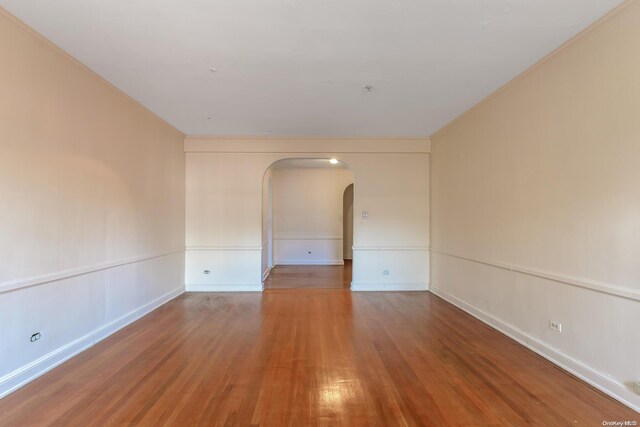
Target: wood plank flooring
(310, 277)
(308, 357)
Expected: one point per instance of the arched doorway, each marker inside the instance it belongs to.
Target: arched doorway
(303, 224)
(347, 233)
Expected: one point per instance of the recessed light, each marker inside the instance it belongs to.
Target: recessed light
(213, 70)
(333, 161)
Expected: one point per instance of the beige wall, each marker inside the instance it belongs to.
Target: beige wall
(308, 215)
(92, 189)
(536, 206)
(224, 208)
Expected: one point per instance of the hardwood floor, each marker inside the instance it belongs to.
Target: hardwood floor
(305, 357)
(310, 277)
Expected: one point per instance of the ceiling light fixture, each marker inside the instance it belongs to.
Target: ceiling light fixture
(333, 161)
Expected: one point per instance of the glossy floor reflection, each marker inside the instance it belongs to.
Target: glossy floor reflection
(304, 357)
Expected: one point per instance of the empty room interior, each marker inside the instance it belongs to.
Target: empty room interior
(329, 213)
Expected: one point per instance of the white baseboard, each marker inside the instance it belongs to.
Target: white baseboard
(226, 287)
(392, 287)
(266, 273)
(599, 380)
(310, 262)
(21, 376)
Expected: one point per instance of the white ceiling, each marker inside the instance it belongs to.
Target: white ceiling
(299, 67)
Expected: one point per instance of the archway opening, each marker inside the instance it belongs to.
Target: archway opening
(306, 239)
(347, 226)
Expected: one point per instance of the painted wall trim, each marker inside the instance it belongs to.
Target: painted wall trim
(306, 145)
(606, 288)
(226, 287)
(391, 287)
(13, 285)
(308, 238)
(599, 380)
(223, 248)
(391, 248)
(23, 375)
(310, 262)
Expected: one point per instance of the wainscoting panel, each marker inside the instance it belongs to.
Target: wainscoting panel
(73, 312)
(390, 268)
(222, 269)
(308, 251)
(600, 338)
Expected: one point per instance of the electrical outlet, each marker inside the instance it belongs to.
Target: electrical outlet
(365, 215)
(556, 326)
(35, 337)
